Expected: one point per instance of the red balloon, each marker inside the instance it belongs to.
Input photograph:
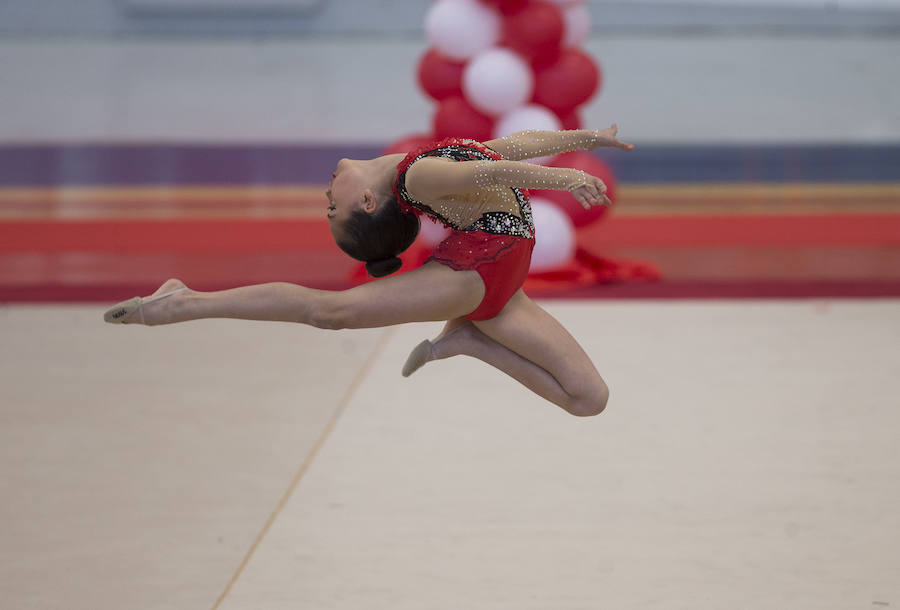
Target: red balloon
(592, 165)
(571, 120)
(409, 143)
(506, 7)
(456, 118)
(566, 83)
(439, 76)
(535, 31)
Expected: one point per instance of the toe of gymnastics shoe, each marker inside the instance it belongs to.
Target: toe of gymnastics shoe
(121, 312)
(421, 354)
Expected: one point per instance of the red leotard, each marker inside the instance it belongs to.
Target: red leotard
(498, 245)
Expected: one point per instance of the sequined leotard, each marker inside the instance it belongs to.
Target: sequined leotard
(497, 245)
(483, 200)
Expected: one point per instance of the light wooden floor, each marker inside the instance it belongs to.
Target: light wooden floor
(748, 459)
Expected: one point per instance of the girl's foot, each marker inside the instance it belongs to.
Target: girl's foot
(453, 337)
(422, 353)
(161, 307)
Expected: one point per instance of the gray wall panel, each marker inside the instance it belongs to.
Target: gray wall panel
(92, 18)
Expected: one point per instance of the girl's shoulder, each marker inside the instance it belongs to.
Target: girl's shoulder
(454, 149)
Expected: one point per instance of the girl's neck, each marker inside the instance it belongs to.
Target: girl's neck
(384, 171)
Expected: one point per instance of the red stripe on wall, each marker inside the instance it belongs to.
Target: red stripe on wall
(308, 235)
(173, 236)
(698, 231)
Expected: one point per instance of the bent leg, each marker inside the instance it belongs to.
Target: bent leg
(431, 292)
(530, 345)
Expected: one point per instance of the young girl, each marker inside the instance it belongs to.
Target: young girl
(472, 280)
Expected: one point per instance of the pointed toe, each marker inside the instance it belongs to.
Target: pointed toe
(417, 358)
(118, 313)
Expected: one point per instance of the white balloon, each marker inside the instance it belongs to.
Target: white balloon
(431, 232)
(532, 116)
(461, 28)
(554, 236)
(577, 20)
(497, 80)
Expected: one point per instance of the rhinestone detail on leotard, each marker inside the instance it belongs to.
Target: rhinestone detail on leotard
(500, 223)
(535, 142)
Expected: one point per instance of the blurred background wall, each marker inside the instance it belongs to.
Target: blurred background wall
(343, 71)
(398, 17)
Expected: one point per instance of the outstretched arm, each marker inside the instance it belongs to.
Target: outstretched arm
(536, 143)
(433, 178)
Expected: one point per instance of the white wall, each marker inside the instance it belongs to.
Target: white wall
(819, 4)
(762, 89)
(401, 17)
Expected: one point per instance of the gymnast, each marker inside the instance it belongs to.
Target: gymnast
(473, 279)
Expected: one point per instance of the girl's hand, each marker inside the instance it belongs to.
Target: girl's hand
(607, 137)
(591, 192)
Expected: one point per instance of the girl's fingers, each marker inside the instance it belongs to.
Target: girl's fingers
(592, 194)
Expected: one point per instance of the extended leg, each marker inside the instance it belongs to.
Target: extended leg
(432, 292)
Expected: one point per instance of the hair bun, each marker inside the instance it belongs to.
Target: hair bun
(383, 267)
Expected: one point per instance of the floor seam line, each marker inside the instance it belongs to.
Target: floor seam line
(307, 462)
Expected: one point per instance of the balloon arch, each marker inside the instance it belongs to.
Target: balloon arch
(495, 67)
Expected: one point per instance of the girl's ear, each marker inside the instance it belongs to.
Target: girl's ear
(369, 204)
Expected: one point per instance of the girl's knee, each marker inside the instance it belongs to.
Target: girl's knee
(590, 404)
(330, 312)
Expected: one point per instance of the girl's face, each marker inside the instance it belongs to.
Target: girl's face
(345, 191)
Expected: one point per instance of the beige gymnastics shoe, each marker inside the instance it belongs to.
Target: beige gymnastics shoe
(121, 312)
(422, 353)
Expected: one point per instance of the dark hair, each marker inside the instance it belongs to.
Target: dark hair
(378, 238)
